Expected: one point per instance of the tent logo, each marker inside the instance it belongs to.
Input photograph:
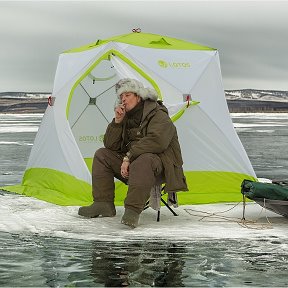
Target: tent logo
(164, 64)
(87, 139)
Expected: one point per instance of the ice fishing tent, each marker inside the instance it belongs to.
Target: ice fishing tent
(187, 78)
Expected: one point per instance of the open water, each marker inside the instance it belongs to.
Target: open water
(34, 260)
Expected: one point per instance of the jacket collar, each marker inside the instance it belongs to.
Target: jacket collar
(150, 106)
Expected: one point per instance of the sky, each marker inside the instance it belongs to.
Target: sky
(251, 36)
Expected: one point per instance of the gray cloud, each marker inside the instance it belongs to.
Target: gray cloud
(251, 36)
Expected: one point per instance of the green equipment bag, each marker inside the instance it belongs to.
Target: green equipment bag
(255, 190)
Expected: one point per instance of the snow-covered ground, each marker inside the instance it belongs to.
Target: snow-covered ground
(21, 214)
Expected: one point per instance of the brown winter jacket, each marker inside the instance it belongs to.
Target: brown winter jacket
(156, 134)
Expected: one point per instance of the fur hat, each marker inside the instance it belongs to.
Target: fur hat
(135, 86)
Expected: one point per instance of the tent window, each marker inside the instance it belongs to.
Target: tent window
(93, 98)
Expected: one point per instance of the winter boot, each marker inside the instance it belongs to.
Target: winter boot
(105, 209)
(130, 218)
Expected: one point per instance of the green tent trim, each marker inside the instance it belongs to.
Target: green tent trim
(147, 40)
(63, 189)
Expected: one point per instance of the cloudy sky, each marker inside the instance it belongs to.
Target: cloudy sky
(251, 36)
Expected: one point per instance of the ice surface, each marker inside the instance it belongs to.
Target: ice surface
(11, 129)
(15, 143)
(21, 214)
(278, 116)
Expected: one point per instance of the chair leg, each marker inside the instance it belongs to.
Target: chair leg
(172, 211)
(146, 205)
(174, 201)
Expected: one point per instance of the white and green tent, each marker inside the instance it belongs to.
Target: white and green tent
(187, 77)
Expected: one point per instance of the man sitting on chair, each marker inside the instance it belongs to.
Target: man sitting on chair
(141, 146)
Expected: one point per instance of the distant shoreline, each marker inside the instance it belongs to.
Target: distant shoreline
(22, 105)
(34, 105)
(255, 106)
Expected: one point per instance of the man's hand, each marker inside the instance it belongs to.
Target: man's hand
(119, 113)
(125, 169)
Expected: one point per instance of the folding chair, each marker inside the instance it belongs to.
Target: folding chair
(156, 197)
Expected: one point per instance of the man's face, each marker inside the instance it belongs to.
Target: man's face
(129, 100)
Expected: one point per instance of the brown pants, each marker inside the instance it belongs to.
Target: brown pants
(144, 172)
